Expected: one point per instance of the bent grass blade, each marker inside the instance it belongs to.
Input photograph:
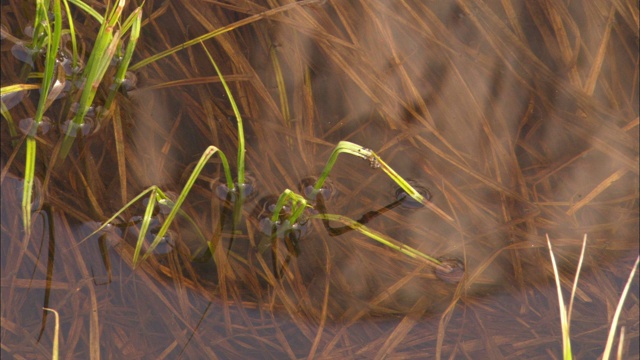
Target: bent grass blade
(4, 110)
(123, 209)
(9, 89)
(375, 162)
(158, 195)
(55, 349)
(298, 204)
(236, 112)
(88, 9)
(209, 152)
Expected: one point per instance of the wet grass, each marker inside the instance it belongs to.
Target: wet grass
(520, 118)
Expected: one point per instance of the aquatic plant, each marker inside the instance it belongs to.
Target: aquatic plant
(478, 113)
(107, 49)
(47, 38)
(276, 226)
(297, 202)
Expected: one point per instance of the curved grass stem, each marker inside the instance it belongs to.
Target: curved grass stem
(375, 162)
(211, 150)
(158, 195)
(236, 112)
(298, 204)
(56, 335)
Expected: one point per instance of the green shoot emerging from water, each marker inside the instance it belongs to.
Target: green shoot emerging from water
(374, 161)
(236, 112)
(107, 42)
(298, 205)
(49, 70)
(377, 163)
(48, 35)
(158, 195)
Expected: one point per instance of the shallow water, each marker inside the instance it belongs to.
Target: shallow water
(502, 110)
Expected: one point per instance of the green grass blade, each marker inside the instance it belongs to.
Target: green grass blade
(616, 316)
(41, 24)
(72, 34)
(92, 81)
(342, 147)
(236, 111)
(131, 19)
(374, 160)
(144, 228)
(104, 49)
(27, 190)
(6, 90)
(116, 12)
(50, 60)
(208, 153)
(299, 205)
(9, 89)
(383, 239)
(128, 54)
(12, 126)
(50, 67)
(88, 9)
(123, 209)
(286, 196)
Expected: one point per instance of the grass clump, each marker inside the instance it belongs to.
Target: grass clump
(297, 202)
(47, 37)
(565, 313)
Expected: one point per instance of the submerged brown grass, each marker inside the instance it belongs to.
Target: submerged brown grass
(521, 118)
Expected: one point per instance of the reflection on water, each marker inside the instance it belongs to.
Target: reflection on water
(516, 119)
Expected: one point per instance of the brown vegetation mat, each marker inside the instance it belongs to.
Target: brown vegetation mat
(521, 117)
